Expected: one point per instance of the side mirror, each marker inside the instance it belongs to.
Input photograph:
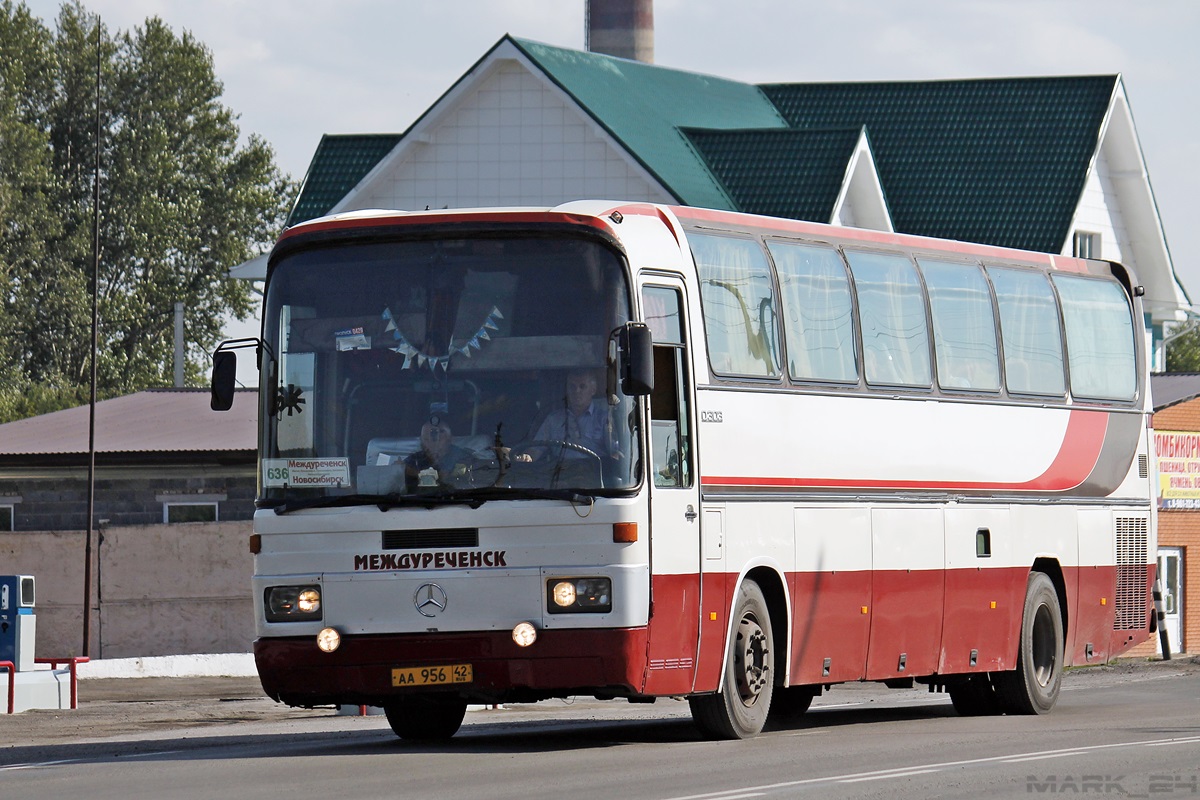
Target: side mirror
(224, 380)
(637, 359)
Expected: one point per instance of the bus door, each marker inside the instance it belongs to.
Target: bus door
(1170, 562)
(674, 496)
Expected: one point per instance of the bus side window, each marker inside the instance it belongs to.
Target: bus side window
(670, 437)
(964, 328)
(1101, 354)
(669, 446)
(891, 308)
(1029, 331)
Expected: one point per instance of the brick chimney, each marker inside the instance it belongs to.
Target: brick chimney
(622, 28)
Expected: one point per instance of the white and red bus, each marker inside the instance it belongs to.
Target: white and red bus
(812, 455)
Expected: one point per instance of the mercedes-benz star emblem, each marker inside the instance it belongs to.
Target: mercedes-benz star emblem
(430, 599)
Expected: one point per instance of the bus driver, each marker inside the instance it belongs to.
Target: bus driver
(583, 419)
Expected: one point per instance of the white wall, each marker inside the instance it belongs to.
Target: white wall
(157, 589)
(514, 139)
(1100, 212)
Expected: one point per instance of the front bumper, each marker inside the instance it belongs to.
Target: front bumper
(605, 663)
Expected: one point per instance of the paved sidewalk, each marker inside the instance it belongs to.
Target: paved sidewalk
(119, 706)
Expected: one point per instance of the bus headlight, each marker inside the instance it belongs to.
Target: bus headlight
(524, 634)
(292, 603)
(579, 595)
(328, 640)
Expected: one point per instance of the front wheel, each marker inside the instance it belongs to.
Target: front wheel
(1032, 688)
(740, 709)
(425, 717)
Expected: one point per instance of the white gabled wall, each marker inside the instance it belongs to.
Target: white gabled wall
(861, 203)
(511, 138)
(1099, 212)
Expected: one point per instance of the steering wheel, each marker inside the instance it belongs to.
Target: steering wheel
(559, 443)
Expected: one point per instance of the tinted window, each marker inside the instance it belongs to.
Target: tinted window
(964, 328)
(738, 305)
(891, 309)
(1100, 344)
(818, 317)
(1033, 358)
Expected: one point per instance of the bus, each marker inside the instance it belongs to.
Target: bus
(636, 451)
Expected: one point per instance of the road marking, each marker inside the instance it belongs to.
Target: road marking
(1192, 740)
(1042, 757)
(37, 764)
(60, 762)
(919, 769)
(889, 775)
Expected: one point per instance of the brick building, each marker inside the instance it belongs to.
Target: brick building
(162, 456)
(1177, 428)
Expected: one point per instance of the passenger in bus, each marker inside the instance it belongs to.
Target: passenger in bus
(582, 420)
(438, 460)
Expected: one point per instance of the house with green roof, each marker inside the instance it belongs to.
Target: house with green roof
(1046, 163)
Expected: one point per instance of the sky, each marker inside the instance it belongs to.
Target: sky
(296, 69)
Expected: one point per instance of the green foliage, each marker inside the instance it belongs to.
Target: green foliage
(1183, 349)
(181, 201)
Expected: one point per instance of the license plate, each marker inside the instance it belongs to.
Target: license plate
(432, 676)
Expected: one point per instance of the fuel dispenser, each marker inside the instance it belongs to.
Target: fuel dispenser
(31, 682)
(18, 625)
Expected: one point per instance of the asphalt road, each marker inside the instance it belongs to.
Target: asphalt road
(1131, 730)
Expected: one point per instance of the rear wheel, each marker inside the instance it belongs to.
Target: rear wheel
(1032, 688)
(429, 716)
(740, 710)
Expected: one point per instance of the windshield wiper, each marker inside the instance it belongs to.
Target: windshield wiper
(383, 501)
(474, 498)
(530, 493)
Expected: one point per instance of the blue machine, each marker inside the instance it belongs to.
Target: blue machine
(17, 622)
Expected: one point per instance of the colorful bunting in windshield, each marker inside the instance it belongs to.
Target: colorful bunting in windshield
(413, 356)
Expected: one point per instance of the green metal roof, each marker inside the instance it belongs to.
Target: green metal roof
(644, 106)
(998, 161)
(339, 164)
(781, 173)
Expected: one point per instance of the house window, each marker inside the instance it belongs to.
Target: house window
(6, 518)
(189, 512)
(186, 507)
(1087, 245)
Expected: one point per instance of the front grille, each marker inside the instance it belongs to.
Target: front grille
(429, 539)
(1132, 574)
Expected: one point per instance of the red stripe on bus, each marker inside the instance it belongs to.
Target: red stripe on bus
(771, 225)
(1075, 460)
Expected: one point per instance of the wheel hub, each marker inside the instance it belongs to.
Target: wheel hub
(750, 660)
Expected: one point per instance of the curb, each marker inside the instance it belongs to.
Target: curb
(217, 665)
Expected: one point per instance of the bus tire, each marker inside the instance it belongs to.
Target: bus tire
(1032, 688)
(974, 696)
(425, 716)
(739, 710)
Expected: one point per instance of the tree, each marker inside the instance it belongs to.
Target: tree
(1183, 349)
(181, 201)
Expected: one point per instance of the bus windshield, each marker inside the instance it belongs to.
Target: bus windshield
(441, 369)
